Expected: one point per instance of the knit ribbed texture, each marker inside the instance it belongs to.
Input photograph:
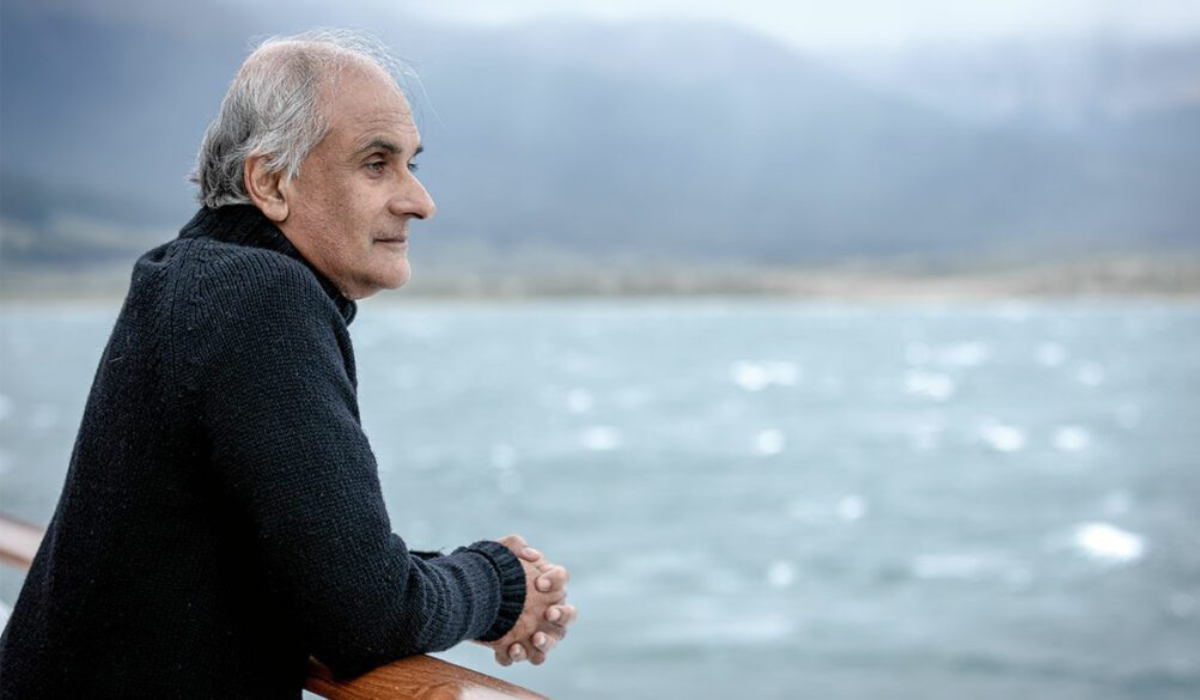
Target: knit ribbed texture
(512, 577)
(222, 517)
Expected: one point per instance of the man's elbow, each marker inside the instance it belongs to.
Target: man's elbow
(378, 637)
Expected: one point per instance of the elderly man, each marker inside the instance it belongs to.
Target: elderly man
(222, 518)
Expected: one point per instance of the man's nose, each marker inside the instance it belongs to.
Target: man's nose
(413, 200)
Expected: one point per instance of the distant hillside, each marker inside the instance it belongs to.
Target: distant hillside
(624, 143)
(1050, 83)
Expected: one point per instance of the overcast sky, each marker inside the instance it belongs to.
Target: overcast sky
(856, 23)
(806, 24)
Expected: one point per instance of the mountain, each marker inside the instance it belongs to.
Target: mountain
(632, 143)
(1049, 83)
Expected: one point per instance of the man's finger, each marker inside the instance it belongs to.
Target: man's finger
(554, 578)
(521, 548)
(544, 643)
(502, 658)
(517, 653)
(561, 616)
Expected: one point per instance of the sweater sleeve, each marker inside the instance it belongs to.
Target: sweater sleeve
(264, 348)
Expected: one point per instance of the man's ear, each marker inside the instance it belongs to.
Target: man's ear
(267, 189)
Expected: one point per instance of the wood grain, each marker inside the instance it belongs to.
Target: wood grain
(416, 678)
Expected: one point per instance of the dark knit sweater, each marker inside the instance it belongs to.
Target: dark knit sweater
(222, 517)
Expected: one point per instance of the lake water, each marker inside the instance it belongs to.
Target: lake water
(768, 499)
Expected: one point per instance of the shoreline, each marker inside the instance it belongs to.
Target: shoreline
(1125, 278)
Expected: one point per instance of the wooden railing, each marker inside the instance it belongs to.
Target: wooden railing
(414, 678)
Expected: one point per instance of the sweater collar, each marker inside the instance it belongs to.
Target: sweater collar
(244, 224)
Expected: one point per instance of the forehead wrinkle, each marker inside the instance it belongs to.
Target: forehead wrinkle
(389, 130)
(379, 143)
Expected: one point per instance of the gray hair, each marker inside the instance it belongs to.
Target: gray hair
(273, 108)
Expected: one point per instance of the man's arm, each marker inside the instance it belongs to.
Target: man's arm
(274, 397)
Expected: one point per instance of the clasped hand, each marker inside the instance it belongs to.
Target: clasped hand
(546, 616)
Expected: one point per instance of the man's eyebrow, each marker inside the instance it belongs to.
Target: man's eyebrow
(389, 146)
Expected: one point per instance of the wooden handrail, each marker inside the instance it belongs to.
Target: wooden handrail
(18, 542)
(414, 678)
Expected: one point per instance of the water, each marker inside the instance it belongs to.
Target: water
(772, 500)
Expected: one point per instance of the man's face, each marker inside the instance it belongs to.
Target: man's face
(349, 209)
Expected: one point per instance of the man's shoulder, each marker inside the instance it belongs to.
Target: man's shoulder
(202, 286)
(201, 268)
(207, 258)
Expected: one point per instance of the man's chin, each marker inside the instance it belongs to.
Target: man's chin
(373, 287)
(400, 278)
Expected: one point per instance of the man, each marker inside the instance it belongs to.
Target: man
(222, 518)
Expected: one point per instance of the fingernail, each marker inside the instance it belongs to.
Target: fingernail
(539, 640)
(543, 584)
(531, 553)
(517, 653)
(554, 614)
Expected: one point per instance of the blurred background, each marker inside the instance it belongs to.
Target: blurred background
(841, 350)
(659, 147)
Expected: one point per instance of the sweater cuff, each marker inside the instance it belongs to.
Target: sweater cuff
(512, 587)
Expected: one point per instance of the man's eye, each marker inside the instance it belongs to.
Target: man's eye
(413, 167)
(376, 166)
